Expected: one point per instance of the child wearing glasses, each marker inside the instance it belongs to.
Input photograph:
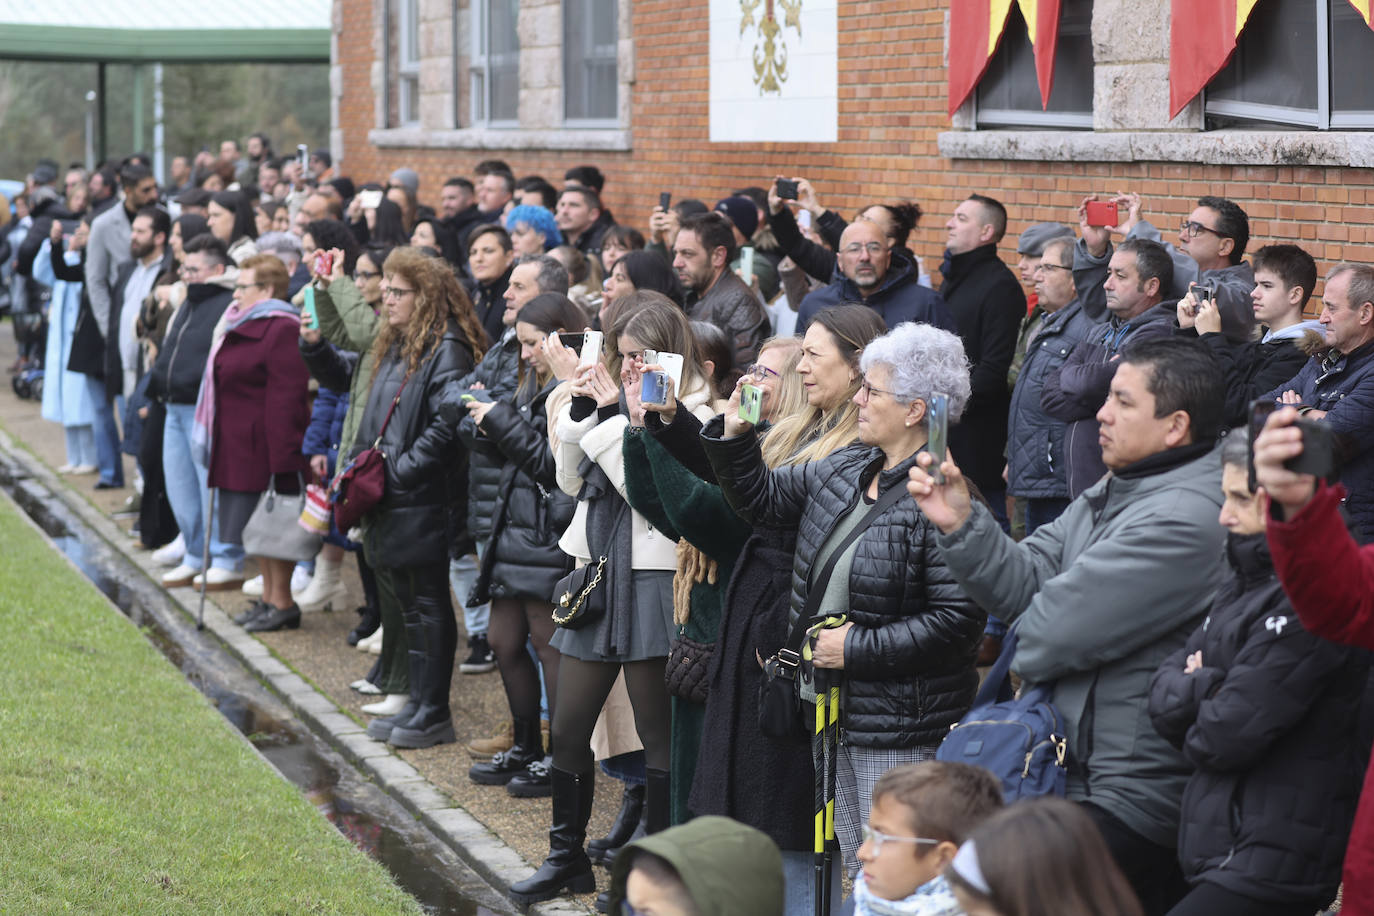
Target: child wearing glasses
(921, 814)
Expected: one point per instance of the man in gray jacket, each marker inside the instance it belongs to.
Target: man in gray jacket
(1104, 593)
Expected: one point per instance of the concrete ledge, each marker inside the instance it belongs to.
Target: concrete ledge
(570, 138)
(1217, 147)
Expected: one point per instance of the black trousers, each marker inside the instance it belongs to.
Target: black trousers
(1210, 900)
(1152, 870)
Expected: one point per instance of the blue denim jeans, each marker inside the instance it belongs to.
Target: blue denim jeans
(109, 459)
(462, 575)
(189, 494)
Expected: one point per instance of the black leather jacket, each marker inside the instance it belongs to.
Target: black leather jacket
(424, 508)
(908, 661)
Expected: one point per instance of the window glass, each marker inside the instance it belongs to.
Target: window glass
(1009, 92)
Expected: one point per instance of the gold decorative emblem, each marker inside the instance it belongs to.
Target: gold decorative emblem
(770, 53)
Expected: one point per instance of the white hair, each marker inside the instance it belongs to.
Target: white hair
(923, 360)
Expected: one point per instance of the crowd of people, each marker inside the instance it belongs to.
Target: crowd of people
(655, 464)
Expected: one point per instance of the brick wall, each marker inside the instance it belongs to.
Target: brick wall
(892, 107)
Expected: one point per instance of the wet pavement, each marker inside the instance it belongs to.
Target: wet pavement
(448, 841)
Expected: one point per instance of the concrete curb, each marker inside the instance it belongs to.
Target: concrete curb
(478, 846)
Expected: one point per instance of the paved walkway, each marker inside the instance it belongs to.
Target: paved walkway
(311, 668)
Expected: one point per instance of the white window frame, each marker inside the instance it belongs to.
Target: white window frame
(479, 70)
(408, 62)
(569, 61)
(1030, 118)
(1319, 118)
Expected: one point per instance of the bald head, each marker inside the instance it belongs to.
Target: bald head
(864, 256)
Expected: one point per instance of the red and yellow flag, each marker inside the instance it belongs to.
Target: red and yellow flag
(1363, 8)
(975, 29)
(1202, 38)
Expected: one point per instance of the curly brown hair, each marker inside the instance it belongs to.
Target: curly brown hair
(438, 297)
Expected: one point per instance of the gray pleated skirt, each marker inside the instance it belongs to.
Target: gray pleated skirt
(651, 625)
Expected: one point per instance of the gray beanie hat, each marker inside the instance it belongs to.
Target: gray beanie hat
(1033, 240)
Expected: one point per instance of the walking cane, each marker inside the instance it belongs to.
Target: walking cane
(205, 562)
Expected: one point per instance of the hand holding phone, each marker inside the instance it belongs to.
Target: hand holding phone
(937, 442)
(1102, 213)
(590, 348)
(664, 200)
(787, 189)
(750, 403)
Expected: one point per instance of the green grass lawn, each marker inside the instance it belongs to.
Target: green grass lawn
(123, 791)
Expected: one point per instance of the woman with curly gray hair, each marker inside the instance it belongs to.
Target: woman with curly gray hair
(901, 633)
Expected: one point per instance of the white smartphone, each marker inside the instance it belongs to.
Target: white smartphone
(591, 349)
(672, 364)
(804, 219)
(746, 264)
(369, 199)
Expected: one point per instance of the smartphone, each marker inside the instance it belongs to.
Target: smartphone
(672, 364)
(804, 219)
(303, 154)
(654, 388)
(590, 349)
(308, 309)
(937, 441)
(573, 341)
(324, 264)
(746, 264)
(664, 199)
(750, 403)
(475, 394)
(1102, 213)
(369, 199)
(649, 357)
(1203, 294)
(1318, 456)
(787, 189)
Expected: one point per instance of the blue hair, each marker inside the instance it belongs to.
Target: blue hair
(537, 218)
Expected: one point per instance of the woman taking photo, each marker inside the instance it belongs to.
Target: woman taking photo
(490, 261)
(907, 646)
(428, 336)
(252, 411)
(230, 218)
(523, 562)
(634, 634)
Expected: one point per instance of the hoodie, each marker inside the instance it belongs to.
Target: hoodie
(728, 869)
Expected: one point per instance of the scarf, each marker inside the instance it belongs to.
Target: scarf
(233, 317)
(934, 898)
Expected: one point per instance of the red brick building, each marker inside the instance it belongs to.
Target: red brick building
(440, 84)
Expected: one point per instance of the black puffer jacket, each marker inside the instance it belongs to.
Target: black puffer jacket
(908, 661)
(180, 363)
(530, 513)
(1268, 720)
(425, 503)
(497, 374)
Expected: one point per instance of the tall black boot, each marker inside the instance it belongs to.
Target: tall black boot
(567, 867)
(503, 766)
(655, 818)
(427, 632)
(603, 849)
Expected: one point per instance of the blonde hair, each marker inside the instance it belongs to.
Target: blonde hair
(789, 399)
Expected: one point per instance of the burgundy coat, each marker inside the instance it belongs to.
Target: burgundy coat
(260, 406)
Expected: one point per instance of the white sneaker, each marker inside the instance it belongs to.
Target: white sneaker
(253, 587)
(366, 687)
(179, 577)
(171, 554)
(388, 706)
(219, 580)
(299, 580)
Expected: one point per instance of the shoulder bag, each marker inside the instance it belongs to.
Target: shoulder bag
(780, 702)
(361, 485)
(1021, 740)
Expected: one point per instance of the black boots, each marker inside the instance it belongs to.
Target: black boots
(603, 849)
(654, 819)
(504, 766)
(567, 868)
(432, 635)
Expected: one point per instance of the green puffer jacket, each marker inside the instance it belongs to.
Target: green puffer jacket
(349, 323)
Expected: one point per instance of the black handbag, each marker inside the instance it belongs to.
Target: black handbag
(689, 661)
(88, 344)
(578, 598)
(780, 702)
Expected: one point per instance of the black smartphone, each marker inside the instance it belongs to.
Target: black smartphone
(937, 429)
(1318, 456)
(664, 200)
(787, 189)
(572, 340)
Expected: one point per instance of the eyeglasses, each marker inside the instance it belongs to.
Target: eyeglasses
(1192, 230)
(396, 292)
(872, 248)
(758, 370)
(242, 286)
(366, 275)
(878, 838)
(1043, 266)
(869, 391)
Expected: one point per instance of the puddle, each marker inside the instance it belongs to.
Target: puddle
(373, 821)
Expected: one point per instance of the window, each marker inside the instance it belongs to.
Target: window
(1009, 94)
(590, 35)
(495, 72)
(408, 61)
(1298, 63)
